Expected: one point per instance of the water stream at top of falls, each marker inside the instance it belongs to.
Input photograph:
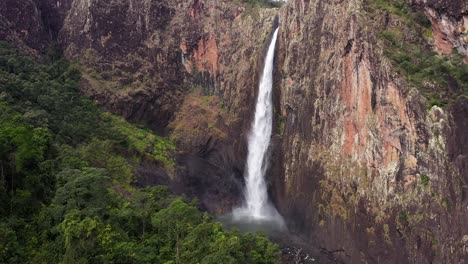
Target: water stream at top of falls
(257, 206)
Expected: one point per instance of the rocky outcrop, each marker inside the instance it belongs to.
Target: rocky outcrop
(159, 49)
(53, 14)
(368, 170)
(449, 21)
(458, 143)
(21, 24)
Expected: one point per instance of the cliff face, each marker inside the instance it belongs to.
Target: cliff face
(369, 172)
(363, 165)
(183, 68)
(449, 23)
(22, 25)
(160, 49)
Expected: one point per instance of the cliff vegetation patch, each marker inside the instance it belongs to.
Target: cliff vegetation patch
(264, 3)
(409, 44)
(200, 116)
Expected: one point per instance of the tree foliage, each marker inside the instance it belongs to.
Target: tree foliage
(66, 174)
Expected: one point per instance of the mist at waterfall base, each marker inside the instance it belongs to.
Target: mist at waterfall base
(257, 212)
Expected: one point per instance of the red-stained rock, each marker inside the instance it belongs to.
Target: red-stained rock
(361, 167)
(359, 142)
(449, 19)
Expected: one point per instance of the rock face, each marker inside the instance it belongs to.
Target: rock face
(148, 49)
(368, 172)
(145, 59)
(53, 14)
(22, 25)
(361, 166)
(449, 22)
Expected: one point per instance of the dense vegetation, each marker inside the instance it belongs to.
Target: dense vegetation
(66, 175)
(408, 44)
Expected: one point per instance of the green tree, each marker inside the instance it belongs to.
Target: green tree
(66, 179)
(175, 221)
(83, 190)
(9, 246)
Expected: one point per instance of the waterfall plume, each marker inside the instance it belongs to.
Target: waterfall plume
(257, 207)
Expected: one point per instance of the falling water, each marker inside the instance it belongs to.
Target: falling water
(257, 206)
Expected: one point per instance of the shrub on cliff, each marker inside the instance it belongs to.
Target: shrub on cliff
(265, 3)
(409, 46)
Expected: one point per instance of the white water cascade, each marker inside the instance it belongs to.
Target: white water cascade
(257, 207)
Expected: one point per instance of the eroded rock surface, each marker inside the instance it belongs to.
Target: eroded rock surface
(144, 59)
(361, 166)
(21, 24)
(449, 21)
(366, 167)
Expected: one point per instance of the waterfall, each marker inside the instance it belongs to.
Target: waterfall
(257, 206)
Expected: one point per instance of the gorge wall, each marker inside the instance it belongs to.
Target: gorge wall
(179, 67)
(369, 170)
(364, 166)
(187, 69)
